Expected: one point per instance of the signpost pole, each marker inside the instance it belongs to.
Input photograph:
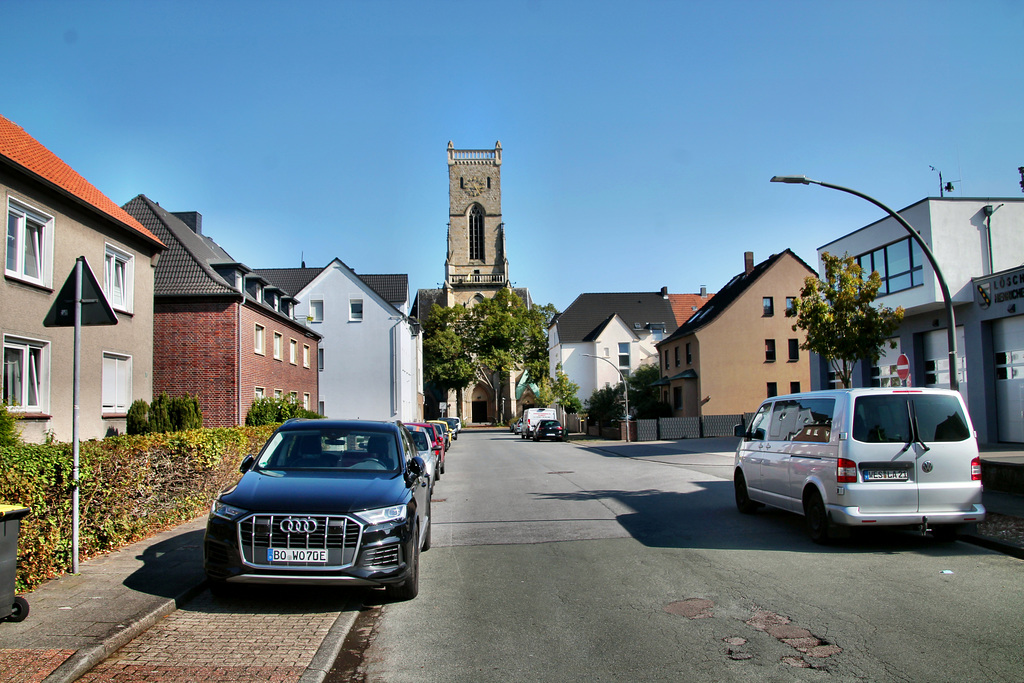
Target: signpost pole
(74, 415)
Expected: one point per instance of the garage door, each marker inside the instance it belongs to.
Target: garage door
(1008, 347)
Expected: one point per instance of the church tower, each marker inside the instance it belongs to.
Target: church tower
(476, 266)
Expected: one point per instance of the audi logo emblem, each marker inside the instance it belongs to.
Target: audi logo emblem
(298, 525)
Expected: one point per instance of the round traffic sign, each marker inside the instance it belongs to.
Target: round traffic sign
(903, 367)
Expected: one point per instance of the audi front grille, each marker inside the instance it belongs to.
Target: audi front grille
(336, 534)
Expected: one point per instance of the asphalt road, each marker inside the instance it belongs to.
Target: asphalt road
(560, 562)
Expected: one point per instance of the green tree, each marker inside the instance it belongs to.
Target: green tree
(447, 361)
(566, 392)
(839, 317)
(605, 404)
(644, 396)
(504, 336)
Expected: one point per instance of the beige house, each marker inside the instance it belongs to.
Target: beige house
(54, 216)
(739, 347)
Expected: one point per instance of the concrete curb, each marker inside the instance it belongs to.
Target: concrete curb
(994, 544)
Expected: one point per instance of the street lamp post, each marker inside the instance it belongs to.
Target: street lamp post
(954, 381)
(625, 387)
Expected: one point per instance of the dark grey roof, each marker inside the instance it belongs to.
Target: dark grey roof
(585, 317)
(392, 288)
(185, 267)
(289, 280)
(725, 296)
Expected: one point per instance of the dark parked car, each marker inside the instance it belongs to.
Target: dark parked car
(549, 429)
(325, 502)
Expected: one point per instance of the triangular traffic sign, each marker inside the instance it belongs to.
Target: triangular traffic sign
(96, 310)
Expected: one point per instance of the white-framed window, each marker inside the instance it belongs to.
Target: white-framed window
(29, 244)
(117, 383)
(320, 360)
(624, 356)
(260, 392)
(293, 351)
(305, 355)
(277, 393)
(355, 309)
(118, 278)
(278, 341)
(316, 310)
(320, 408)
(26, 374)
(305, 401)
(259, 339)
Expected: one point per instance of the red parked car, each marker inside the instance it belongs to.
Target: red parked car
(439, 447)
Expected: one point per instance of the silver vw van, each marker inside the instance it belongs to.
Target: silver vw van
(861, 458)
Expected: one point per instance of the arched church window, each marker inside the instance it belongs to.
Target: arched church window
(476, 233)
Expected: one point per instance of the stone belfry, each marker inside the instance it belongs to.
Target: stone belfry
(476, 266)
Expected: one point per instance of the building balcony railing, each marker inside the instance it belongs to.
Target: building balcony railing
(477, 279)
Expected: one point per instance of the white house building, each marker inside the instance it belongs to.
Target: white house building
(979, 246)
(371, 355)
(601, 335)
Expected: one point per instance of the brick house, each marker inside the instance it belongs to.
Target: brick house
(54, 216)
(222, 332)
(739, 347)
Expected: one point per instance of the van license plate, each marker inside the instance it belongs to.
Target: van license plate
(886, 475)
(296, 555)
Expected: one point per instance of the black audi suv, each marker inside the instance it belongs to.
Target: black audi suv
(324, 502)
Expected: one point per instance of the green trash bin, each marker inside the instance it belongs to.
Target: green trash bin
(12, 608)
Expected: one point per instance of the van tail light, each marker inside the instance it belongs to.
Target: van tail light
(976, 469)
(846, 471)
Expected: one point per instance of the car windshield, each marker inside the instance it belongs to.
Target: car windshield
(420, 439)
(451, 422)
(331, 449)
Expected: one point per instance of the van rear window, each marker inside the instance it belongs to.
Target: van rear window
(886, 419)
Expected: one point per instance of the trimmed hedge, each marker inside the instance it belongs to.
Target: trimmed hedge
(130, 487)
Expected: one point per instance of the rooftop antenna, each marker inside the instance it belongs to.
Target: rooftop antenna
(947, 187)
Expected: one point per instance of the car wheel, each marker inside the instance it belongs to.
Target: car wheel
(743, 502)
(19, 610)
(946, 533)
(410, 588)
(816, 518)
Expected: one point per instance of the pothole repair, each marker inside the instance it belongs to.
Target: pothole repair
(692, 608)
(800, 639)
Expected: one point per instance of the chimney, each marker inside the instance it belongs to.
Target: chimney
(664, 292)
(703, 291)
(748, 262)
(192, 219)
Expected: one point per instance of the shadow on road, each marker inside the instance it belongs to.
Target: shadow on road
(707, 518)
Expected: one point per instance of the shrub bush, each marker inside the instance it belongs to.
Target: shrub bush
(138, 417)
(266, 411)
(8, 427)
(160, 415)
(130, 487)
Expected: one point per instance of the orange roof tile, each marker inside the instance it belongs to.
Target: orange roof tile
(685, 305)
(27, 152)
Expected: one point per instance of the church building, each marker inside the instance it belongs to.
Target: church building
(475, 267)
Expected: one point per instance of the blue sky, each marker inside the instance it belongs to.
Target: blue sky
(638, 137)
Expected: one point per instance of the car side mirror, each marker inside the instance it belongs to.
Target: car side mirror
(247, 464)
(416, 469)
(740, 430)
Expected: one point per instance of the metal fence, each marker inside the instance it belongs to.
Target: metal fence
(673, 428)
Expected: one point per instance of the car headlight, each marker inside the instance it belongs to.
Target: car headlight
(225, 511)
(395, 513)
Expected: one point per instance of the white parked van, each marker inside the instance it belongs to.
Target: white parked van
(532, 417)
(861, 458)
